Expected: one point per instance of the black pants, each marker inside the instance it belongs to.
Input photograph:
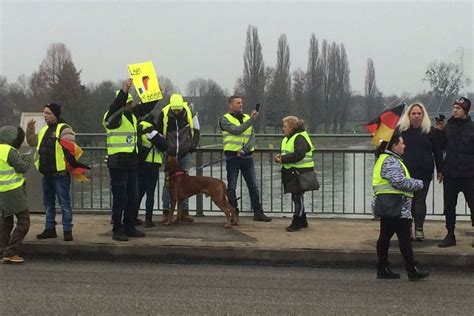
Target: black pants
(147, 177)
(124, 197)
(451, 189)
(401, 227)
(298, 200)
(418, 204)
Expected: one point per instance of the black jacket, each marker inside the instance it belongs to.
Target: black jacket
(457, 139)
(419, 153)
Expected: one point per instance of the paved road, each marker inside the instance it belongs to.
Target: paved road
(93, 287)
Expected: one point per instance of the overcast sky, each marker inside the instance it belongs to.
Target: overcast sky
(189, 39)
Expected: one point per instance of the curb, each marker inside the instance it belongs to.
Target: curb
(237, 255)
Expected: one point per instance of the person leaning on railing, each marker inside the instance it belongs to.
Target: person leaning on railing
(296, 157)
(393, 191)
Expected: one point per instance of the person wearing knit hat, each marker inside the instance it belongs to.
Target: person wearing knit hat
(55, 109)
(51, 163)
(180, 126)
(457, 139)
(464, 103)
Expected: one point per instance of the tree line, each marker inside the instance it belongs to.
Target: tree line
(321, 94)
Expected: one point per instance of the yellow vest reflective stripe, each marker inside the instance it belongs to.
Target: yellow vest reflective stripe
(288, 146)
(122, 139)
(383, 186)
(58, 149)
(9, 178)
(236, 142)
(154, 155)
(189, 118)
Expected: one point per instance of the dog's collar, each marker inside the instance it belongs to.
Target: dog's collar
(179, 173)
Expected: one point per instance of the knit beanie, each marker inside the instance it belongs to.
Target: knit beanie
(55, 108)
(463, 102)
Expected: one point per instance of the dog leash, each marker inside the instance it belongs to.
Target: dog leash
(221, 160)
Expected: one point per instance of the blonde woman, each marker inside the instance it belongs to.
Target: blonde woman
(296, 157)
(421, 154)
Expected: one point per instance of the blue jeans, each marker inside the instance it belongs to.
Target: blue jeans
(147, 177)
(233, 166)
(57, 185)
(124, 198)
(185, 162)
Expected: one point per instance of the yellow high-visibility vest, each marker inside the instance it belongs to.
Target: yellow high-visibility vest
(189, 118)
(236, 142)
(9, 178)
(58, 149)
(383, 186)
(122, 139)
(154, 155)
(288, 146)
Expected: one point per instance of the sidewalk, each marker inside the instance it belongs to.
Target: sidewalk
(327, 242)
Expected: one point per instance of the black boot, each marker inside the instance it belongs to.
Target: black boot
(304, 221)
(448, 241)
(119, 236)
(295, 224)
(384, 272)
(416, 273)
(259, 216)
(47, 233)
(68, 236)
(148, 222)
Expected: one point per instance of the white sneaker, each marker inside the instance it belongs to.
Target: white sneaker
(13, 259)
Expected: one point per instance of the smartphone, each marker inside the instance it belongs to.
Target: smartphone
(257, 107)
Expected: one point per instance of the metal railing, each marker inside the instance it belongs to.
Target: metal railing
(344, 173)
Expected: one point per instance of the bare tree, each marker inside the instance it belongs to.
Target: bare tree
(327, 74)
(279, 92)
(342, 89)
(45, 80)
(252, 83)
(313, 85)
(446, 80)
(69, 92)
(373, 97)
(298, 104)
(209, 100)
(167, 87)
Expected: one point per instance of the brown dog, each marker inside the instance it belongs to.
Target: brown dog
(183, 186)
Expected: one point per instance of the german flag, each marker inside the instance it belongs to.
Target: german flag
(382, 127)
(72, 153)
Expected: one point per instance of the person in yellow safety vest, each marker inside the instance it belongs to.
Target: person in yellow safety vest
(238, 144)
(120, 123)
(13, 200)
(51, 163)
(393, 191)
(151, 146)
(180, 126)
(296, 156)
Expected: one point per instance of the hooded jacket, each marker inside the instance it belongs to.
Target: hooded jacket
(14, 201)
